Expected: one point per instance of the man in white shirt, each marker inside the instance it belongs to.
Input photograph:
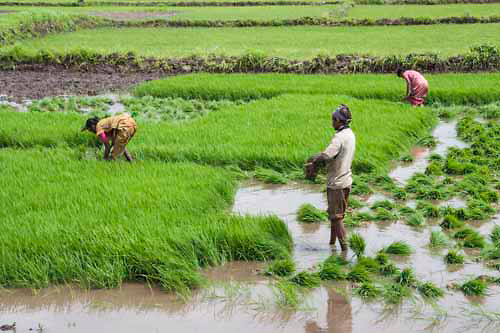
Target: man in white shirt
(338, 158)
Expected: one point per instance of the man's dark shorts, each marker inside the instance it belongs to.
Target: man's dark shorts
(337, 202)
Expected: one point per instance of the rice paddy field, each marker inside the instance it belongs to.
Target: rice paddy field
(213, 226)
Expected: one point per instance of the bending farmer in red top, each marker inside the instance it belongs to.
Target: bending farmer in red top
(338, 158)
(417, 86)
(113, 132)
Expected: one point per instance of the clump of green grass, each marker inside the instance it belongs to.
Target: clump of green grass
(309, 214)
(384, 204)
(306, 279)
(470, 238)
(407, 211)
(398, 248)
(359, 273)
(399, 194)
(357, 244)
(474, 287)
(438, 239)
(368, 290)
(395, 293)
(415, 220)
(406, 277)
(451, 222)
(270, 176)
(332, 271)
(429, 290)
(453, 258)
(406, 158)
(434, 169)
(282, 267)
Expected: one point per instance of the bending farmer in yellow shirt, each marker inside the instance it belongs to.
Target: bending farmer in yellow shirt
(338, 158)
(113, 132)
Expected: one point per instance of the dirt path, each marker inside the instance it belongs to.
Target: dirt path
(19, 85)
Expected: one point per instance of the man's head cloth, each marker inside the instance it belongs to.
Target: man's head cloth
(90, 123)
(343, 114)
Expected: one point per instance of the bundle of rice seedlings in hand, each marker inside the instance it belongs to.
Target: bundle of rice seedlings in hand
(306, 279)
(283, 267)
(357, 244)
(309, 214)
(430, 290)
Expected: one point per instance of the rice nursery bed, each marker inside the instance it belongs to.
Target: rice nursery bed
(289, 42)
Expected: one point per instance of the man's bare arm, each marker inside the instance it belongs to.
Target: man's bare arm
(107, 150)
(127, 155)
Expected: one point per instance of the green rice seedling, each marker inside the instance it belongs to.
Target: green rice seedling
(407, 211)
(489, 196)
(453, 258)
(406, 277)
(451, 222)
(434, 169)
(359, 274)
(309, 214)
(337, 260)
(282, 267)
(270, 176)
(474, 241)
(429, 290)
(382, 214)
(389, 269)
(395, 293)
(428, 141)
(428, 209)
(495, 234)
(384, 204)
(385, 182)
(415, 220)
(288, 295)
(438, 239)
(398, 248)
(371, 264)
(332, 271)
(436, 157)
(474, 287)
(399, 194)
(354, 203)
(465, 233)
(368, 290)
(306, 279)
(407, 158)
(357, 244)
(363, 216)
(382, 258)
(491, 252)
(417, 181)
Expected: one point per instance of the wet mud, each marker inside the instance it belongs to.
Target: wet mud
(20, 85)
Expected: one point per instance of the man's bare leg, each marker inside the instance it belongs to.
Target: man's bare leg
(339, 231)
(333, 235)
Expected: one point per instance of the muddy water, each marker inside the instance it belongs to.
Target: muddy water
(446, 136)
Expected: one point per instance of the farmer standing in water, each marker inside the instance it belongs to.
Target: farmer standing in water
(338, 158)
(114, 132)
(417, 86)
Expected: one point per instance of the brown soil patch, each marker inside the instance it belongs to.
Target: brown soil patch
(130, 16)
(7, 11)
(19, 85)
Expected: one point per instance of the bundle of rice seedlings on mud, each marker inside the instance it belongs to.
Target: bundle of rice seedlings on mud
(406, 277)
(495, 235)
(438, 239)
(306, 279)
(398, 248)
(474, 287)
(451, 222)
(407, 158)
(332, 272)
(309, 214)
(453, 257)
(399, 194)
(368, 290)
(384, 204)
(382, 214)
(359, 274)
(288, 296)
(357, 244)
(428, 209)
(406, 211)
(491, 252)
(429, 290)
(389, 269)
(282, 267)
(382, 258)
(415, 220)
(354, 203)
(394, 293)
(363, 216)
(270, 176)
(470, 237)
(336, 259)
(370, 264)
